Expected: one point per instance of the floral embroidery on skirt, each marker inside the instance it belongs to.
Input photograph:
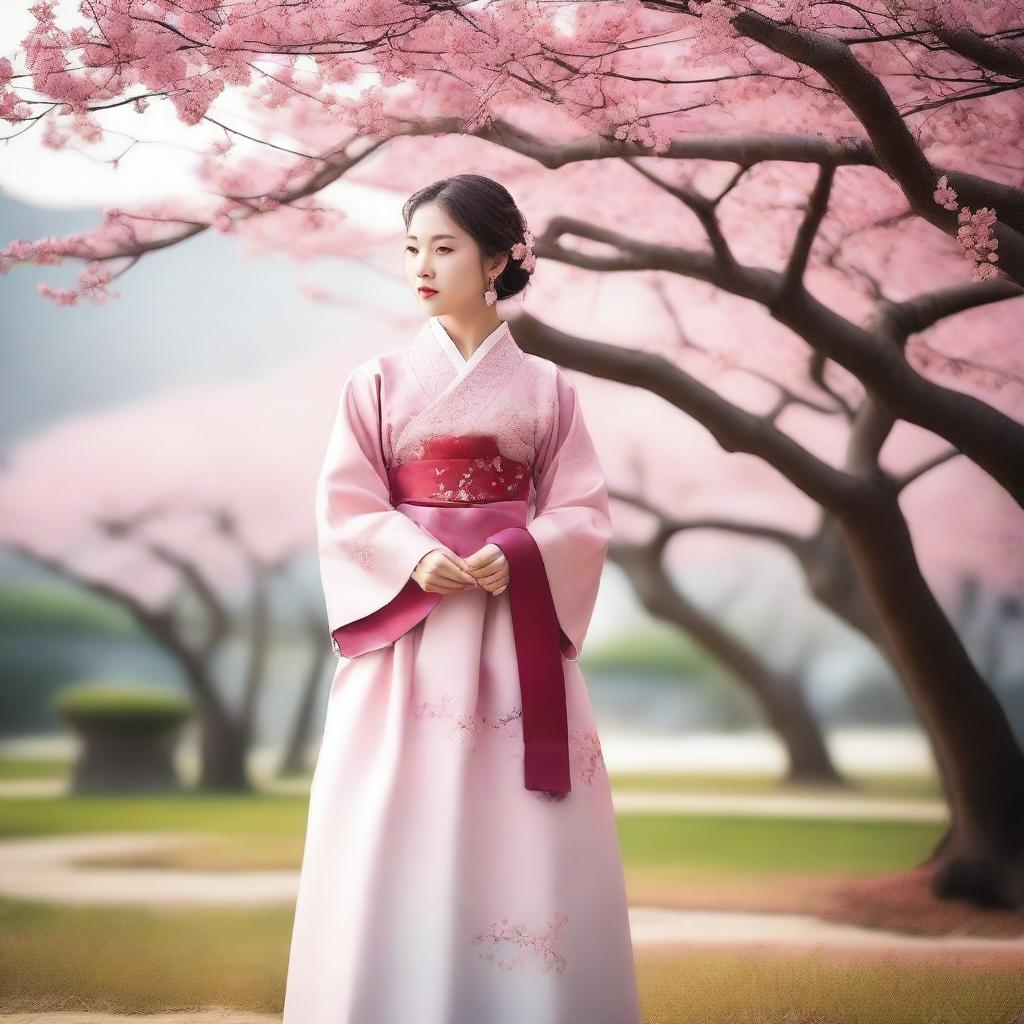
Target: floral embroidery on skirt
(586, 759)
(469, 726)
(504, 934)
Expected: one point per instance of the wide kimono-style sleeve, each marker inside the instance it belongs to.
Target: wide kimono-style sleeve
(572, 523)
(367, 548)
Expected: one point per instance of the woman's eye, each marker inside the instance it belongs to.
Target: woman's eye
(445, 247)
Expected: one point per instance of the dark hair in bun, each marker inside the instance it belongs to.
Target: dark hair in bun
(486, 211)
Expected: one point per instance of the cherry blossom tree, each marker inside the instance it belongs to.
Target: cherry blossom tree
(861, 538)
(137, 508)
(868, 86)
(840, 176)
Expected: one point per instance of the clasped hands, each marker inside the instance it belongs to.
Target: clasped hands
(441, 571)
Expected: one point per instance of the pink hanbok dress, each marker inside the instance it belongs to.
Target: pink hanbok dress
(461, 860)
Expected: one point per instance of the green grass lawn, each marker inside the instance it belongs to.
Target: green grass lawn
(720, 844)
(253, 815)
(33, 767)
(892, 785)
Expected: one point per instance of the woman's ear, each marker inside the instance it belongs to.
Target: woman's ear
(499, 265)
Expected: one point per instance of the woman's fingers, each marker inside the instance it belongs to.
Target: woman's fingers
(441, 568)
(454, 571)
(445, 586)
(437, 573)
(493, 578)
(443, 573)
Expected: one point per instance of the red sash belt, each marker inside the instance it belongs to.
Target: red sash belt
(475, 498)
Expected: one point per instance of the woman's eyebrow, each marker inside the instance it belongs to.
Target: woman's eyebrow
(433, 237)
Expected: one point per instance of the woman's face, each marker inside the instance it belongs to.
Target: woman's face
(440, 255)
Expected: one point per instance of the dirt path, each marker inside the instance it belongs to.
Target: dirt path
(47, 869)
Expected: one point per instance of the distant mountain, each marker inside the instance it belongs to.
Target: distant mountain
(200, 311)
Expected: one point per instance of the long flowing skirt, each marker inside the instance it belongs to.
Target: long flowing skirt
(435, 888)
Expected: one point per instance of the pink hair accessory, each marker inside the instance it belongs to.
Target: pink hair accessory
(523, 251)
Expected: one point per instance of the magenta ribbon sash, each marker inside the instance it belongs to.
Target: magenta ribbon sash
(488, 506)
(538, 652)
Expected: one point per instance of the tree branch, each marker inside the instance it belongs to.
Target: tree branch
(733, 428)
(668, 525)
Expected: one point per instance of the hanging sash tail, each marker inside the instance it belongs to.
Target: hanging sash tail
(541, 674)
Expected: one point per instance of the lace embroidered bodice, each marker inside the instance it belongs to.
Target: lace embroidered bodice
(499, 392)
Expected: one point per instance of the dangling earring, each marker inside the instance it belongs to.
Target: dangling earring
(490, 296)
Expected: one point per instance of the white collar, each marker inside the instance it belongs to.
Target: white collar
(461, 364)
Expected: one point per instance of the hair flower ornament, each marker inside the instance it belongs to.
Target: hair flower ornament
(523, 251)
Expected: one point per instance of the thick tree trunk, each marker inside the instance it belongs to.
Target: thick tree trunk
(782, 699)
(224, 746)
(294, 760)
(834, 581)
(982, 858)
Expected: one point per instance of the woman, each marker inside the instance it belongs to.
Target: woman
(461, 863)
